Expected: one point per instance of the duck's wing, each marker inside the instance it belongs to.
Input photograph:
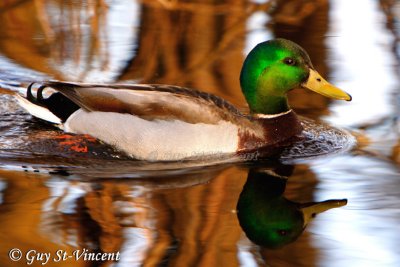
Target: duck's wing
(150, 101)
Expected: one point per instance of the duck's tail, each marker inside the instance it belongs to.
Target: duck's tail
(55, 109)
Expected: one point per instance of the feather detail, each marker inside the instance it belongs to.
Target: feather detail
(37, 110)
(152, 102)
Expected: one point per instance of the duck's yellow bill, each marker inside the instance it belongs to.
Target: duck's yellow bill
(318, 84)
(310, 210)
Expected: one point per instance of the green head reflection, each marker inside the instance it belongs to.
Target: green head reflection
(267, 217)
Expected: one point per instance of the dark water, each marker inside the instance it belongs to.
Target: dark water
(54, 199)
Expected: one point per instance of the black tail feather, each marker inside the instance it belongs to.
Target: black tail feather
(39, 93)
(57, 103)
(30, 96)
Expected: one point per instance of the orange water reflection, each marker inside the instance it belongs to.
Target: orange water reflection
(184, 219)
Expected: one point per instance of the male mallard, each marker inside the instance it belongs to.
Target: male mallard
(267, 217)
(163, 122)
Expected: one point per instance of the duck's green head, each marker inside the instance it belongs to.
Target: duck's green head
(275, 67)
(268, 218)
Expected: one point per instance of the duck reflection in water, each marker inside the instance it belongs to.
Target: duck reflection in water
(267, 217)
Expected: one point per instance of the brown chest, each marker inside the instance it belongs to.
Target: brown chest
(276, 132)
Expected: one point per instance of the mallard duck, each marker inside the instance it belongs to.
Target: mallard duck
(167, 123)
(267, 217)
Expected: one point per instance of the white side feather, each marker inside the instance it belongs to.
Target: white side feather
(157, 139)
(37, 111)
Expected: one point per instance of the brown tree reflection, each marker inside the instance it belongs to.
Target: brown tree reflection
(192, 44)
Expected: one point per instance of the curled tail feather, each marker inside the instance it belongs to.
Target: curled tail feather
(55, 109)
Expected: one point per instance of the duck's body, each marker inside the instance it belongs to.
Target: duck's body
(161, 122)
(158, 122)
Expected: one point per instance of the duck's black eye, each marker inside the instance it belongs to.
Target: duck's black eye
(289, 61)
(282, 232)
